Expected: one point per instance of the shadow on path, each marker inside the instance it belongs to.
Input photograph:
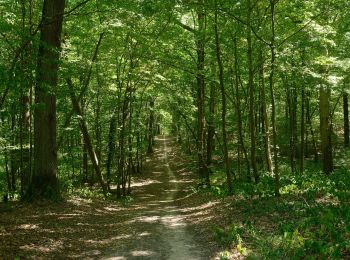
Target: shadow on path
(152, 226)
(155, 216)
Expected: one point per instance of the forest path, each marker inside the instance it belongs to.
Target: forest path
(150, 226)
(157, 224)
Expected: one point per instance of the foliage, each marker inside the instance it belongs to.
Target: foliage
(310, 220)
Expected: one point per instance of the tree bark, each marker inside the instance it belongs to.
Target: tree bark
(200, 43)
(211, 126)
(265, 118)
(223, 102)
(309, 123)
(326, 130)
(252, 129)
(273, 105)
(87, 139)
(239, 113)
(111, 144)
(150, 127)
(302, 131)
(346, 118)
(85, 85)
(44, 181)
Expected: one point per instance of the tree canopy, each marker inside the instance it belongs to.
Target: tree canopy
(255, 93)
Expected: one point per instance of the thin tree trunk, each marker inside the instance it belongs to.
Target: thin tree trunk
(111, 144)
(25, 85)
(84, 87)
(265, 118)
(130, 157)
(252, 129)
(223, 102)
(302, 131)
(150, 127)
(291, 109)
(98, 130)
(309, 123)
(200, 43)
(273, 105)
(211, 126)
(239, 113)
(8, 179)
(13, 151)
(346, 118)
(121, 165)
(87, 139)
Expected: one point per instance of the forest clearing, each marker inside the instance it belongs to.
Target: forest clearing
(178, 129)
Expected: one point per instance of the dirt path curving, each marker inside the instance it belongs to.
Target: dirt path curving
(155, 216)
(151, 226)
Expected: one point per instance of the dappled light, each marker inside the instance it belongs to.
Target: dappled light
(181, 130)
(152, 226)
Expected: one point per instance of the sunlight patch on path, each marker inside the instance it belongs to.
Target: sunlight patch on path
(156, 224)
(182, 246)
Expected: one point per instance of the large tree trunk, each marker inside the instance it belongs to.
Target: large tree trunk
(44, 181)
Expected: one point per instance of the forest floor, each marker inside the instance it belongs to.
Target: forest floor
(168, 217)
(163, 220)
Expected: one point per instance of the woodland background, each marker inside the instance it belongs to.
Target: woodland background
(255, 91)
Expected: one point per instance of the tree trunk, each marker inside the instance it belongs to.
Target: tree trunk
(87, 139)
(302, 131)
(326, 130)
(292, 114)
(346, 118)
(239, 113)
(111, 145)
(85, 85)
(200, 42)
(26, 85)
(272, 93)
(98, 129)
(150, 127)
(252, 129)
(121, 164)
(223, 102)
(268, 156)
(44, 181)
(309, 123)
(211, 126)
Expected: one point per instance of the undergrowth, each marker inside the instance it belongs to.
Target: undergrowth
(311, 219)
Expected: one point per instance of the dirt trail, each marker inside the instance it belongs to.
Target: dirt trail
(155, 215)
(151, 226)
